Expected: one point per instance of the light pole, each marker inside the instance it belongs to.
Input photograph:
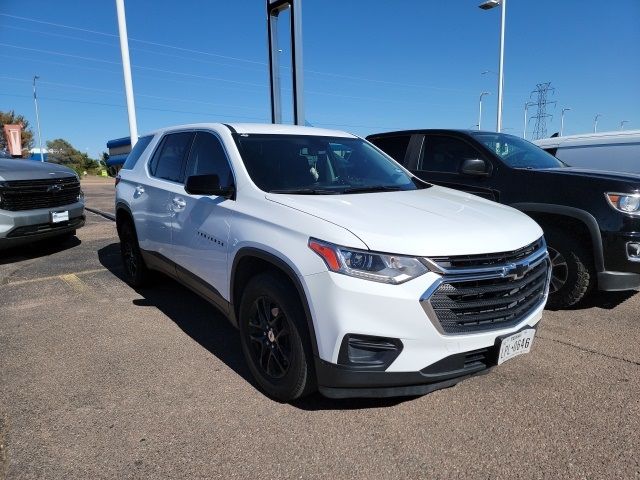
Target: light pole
(487, 5)
(35, 101)
(524, 128)
(126, 70)
(622, 124)
(595, 122)
(562, 119)
(480, 113)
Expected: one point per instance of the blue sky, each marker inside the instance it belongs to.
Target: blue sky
(370, 65)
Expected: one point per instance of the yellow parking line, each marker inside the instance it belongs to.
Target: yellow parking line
(74, 282)
(54, 277)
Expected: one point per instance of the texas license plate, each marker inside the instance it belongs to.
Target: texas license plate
(516, 344)
(57, 217)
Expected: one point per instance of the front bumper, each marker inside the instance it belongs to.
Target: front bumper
(25, 226)
(621, 272)
(429, 359)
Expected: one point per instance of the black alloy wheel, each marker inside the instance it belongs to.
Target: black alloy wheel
(270, 340)
(275, 338)
(135, 271)
(559, 270)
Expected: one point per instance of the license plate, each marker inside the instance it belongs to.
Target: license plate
(516, 344)
(57, 217)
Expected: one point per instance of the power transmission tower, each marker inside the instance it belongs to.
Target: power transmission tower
(542, 91)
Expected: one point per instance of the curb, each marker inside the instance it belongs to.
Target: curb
(106, 215)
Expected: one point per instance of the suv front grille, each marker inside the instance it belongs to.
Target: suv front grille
(33, 194)
(490, 259)
(469, 300)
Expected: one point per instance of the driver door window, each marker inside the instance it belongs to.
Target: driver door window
(445, 154)
(207, 157)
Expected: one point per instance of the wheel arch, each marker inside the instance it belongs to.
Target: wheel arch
(550, 213)
(123, 213)
(251, 261)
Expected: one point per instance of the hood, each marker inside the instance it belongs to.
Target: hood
(595, 174)
(11, 169)
(434, 221)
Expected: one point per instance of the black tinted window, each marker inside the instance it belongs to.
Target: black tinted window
(445, 154)
(134, 155)
(167, 162)
(319, 165)
(207, 157)
(395, 147)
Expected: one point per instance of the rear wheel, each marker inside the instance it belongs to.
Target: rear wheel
(135, 271)
(572, 274)
(275, 339)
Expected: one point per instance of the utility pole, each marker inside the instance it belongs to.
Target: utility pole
(595, 122)
(526, 120)
(488, 5)
(562, 119)
(542, 92)
(622, 124)
(35, 101)
(126, 70)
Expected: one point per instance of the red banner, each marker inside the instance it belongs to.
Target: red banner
(14, 141)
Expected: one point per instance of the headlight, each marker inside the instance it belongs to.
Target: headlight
(378, 267)
(625, 203)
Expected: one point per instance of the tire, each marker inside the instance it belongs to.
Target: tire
(275, 338)
(136, 273)
(573, 274)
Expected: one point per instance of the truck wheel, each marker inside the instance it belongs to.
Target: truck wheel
(135, 271)
(275, 339)
(572, 274)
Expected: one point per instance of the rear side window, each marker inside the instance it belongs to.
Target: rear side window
(207, 157)
(395, 147)
(621, 157)
(134, 155)
(169, 157)
(445, 154)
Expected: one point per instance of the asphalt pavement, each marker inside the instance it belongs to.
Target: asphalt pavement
(98, 380)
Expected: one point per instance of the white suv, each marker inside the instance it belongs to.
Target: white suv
(342, 271)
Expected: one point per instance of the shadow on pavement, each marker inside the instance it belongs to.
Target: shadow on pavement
(207, 326)
(37, 249)
(604, 300)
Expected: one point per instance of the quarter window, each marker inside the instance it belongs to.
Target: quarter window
(445, 154)
(134, 155)
(207, 157)
(168, 160)
(395, 147)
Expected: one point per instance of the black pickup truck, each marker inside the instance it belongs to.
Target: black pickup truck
(591, 219)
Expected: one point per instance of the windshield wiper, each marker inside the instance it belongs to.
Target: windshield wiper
(306, 191)
(372, 188)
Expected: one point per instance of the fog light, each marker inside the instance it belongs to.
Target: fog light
(364, 351)
(633, 251)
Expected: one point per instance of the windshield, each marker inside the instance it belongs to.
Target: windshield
(314, 165)
(517, 152)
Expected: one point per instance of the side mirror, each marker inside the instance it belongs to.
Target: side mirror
(475, 167)
(207, 185)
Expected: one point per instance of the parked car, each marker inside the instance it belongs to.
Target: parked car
(591, 219)
(342, 271)
(38, 201)
(609, 151)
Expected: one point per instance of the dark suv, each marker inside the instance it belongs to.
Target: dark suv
(591, 219)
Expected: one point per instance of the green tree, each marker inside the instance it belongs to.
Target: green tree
(10, 118)
(62, 152)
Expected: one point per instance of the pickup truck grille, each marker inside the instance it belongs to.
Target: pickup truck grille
(32, 194)
(470, 300)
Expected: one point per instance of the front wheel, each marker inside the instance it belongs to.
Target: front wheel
(275, 339)
(572, 272)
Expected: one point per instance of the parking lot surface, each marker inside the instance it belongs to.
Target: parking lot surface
(98, 380)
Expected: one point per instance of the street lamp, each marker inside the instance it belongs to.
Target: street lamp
(595, 122)
(487, 5)
(622, 124)
(480, 114)
(35, 101)
(524, 129)
(562, 119)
